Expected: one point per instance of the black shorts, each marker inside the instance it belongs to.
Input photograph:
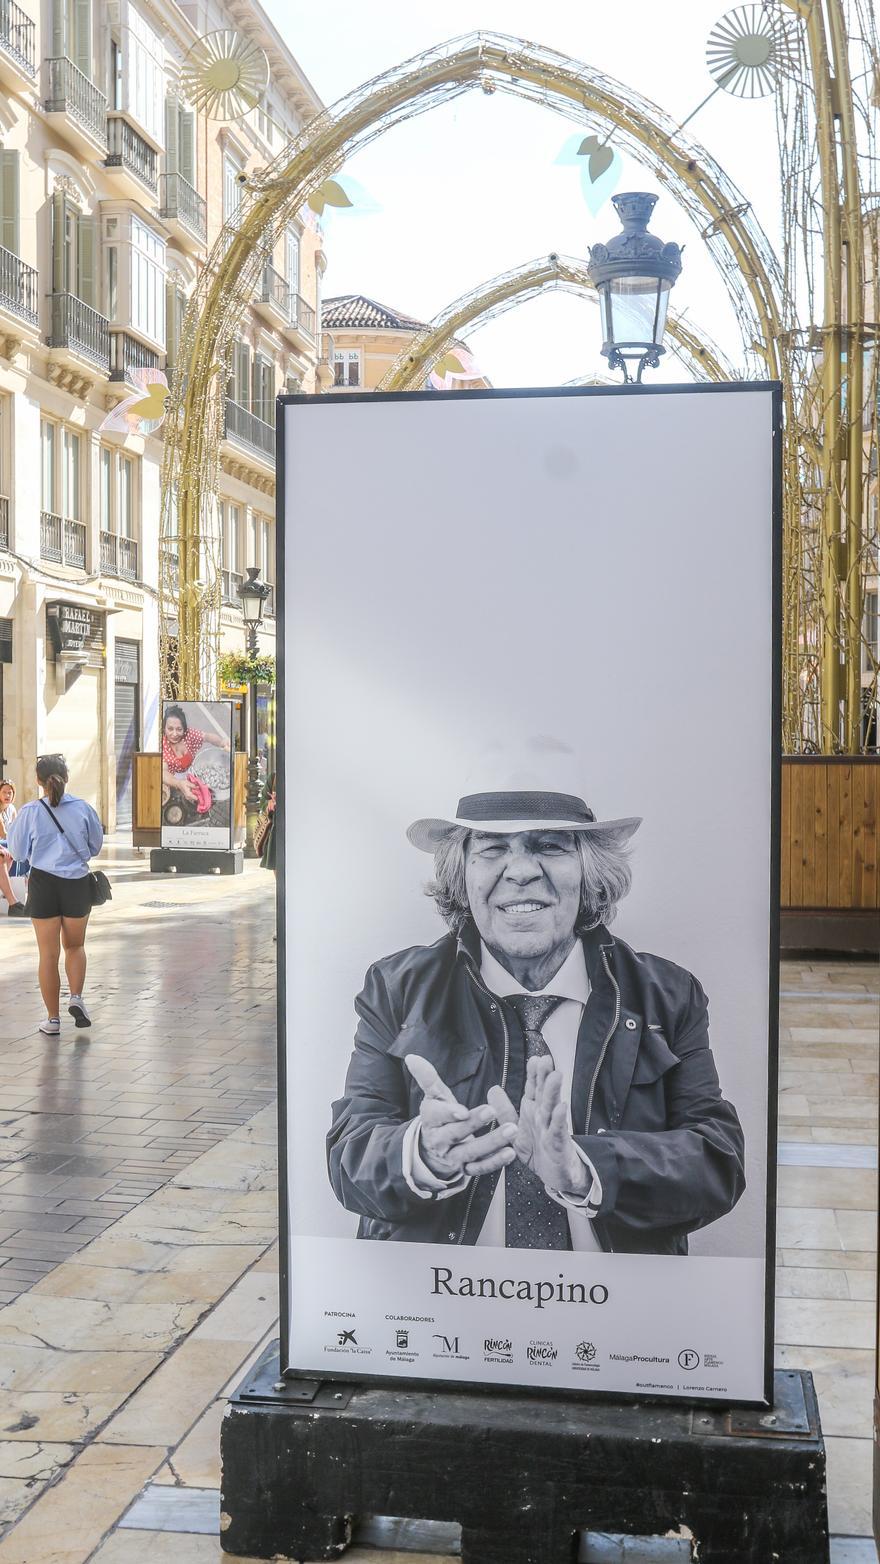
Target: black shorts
(50, 896)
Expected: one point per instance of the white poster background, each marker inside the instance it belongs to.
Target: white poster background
(596, 567)
(214, 720)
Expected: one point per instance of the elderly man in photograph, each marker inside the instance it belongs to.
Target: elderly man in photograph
(529, 1080)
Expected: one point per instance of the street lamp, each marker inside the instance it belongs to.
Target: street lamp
(253, 593)
(633, 275)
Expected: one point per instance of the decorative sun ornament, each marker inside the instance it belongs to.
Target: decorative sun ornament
(143, 409)
(748, 49)
(225, 74)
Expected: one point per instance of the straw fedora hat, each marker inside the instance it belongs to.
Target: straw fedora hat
(531, 788)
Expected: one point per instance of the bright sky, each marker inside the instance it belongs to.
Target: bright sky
(470, 190)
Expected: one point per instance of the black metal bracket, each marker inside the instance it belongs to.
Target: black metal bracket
(264, 1385)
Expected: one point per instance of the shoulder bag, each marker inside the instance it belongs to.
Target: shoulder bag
(99, 885)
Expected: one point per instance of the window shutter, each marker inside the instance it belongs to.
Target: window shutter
(82, 36)
(60, 270)
(9, 201)
(171, 337)
(85, 260)
(59, 29)
(171, 122)
(186, 141)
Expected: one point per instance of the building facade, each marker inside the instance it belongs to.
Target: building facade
(362, 340)
(113, 190)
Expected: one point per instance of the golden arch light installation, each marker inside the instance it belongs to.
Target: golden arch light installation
(734, 238)
(473, 310)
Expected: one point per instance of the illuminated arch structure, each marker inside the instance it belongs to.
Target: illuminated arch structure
(691, 346)
(760, 292)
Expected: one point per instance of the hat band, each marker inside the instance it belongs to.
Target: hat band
(524, 806)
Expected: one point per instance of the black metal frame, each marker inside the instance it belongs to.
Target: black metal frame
(727, 388)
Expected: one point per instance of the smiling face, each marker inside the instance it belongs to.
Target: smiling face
(174, 730)
(524, 892)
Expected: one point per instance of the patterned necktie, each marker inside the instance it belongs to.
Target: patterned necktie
(531, 1219)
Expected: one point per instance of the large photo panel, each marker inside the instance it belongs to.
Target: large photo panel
(197, 774)
(527, 938)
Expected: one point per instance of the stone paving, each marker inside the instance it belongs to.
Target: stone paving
(120, 1341)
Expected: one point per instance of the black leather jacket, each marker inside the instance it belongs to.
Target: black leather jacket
(646, 1105)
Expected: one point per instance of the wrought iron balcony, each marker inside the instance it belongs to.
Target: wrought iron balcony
(18, 286)
(63, 541)
(304, 315)
(129, 150)
(71, 93)
(77, 326)
(4, 521)
(179, 202)
(18, 36)
(274, 290)
(119, 556)
(248, 429)
(230, 581)
(127, 353)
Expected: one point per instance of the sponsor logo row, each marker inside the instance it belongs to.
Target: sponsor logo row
(406, 1345)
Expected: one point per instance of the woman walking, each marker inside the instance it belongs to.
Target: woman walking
(8, 866)
(59, 834)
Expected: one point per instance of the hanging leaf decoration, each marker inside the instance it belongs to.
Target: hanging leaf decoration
(143, 409)
(449, 364)
(600, 155)
(330, 193)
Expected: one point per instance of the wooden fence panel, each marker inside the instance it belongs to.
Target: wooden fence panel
(830, 811)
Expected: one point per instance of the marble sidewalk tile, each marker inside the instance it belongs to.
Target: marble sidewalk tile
(163, 1410)
(72, 1517)
(849, 1486)
(853, 1188)
(796, 1281)
(121, 1249)
(39, 1368)
(247, 1312)
(81, 1324)
(862, 1284)
(103, 1284)
(844, 1380)
(858, 1229)
(196, 1462)
(53, 1414)
(824, 1322)
(803, 1228)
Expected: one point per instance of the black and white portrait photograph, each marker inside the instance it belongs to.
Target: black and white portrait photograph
(529, 1081)
(526, 926)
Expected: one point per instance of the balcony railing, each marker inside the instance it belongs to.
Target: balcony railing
(304, 315)
(4, 521)
(63, 541)
(18, 36)
(119, 556)
(230, 581)
(128, 149)
(71, 92)
(178, 200)
(18, 286)
(127, 353)
(273, 289)
(77, 326)
(249, 429)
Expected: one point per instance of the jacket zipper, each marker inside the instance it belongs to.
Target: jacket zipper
(473, 1189)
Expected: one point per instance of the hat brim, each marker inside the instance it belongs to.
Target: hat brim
(428, 835)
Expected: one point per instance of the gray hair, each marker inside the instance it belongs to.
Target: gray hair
(606, 877)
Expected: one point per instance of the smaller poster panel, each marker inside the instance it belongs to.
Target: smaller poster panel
(197, 774)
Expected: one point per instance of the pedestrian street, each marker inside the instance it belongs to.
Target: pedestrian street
(138, 1260)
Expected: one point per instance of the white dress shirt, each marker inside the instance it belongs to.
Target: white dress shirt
(560, 1032)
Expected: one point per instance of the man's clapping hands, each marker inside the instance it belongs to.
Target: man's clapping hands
(451, 1142)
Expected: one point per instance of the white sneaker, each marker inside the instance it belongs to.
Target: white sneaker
(77, 1009)
(51, 1026)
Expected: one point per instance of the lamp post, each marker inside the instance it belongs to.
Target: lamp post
(633, 275)
(253, 593)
